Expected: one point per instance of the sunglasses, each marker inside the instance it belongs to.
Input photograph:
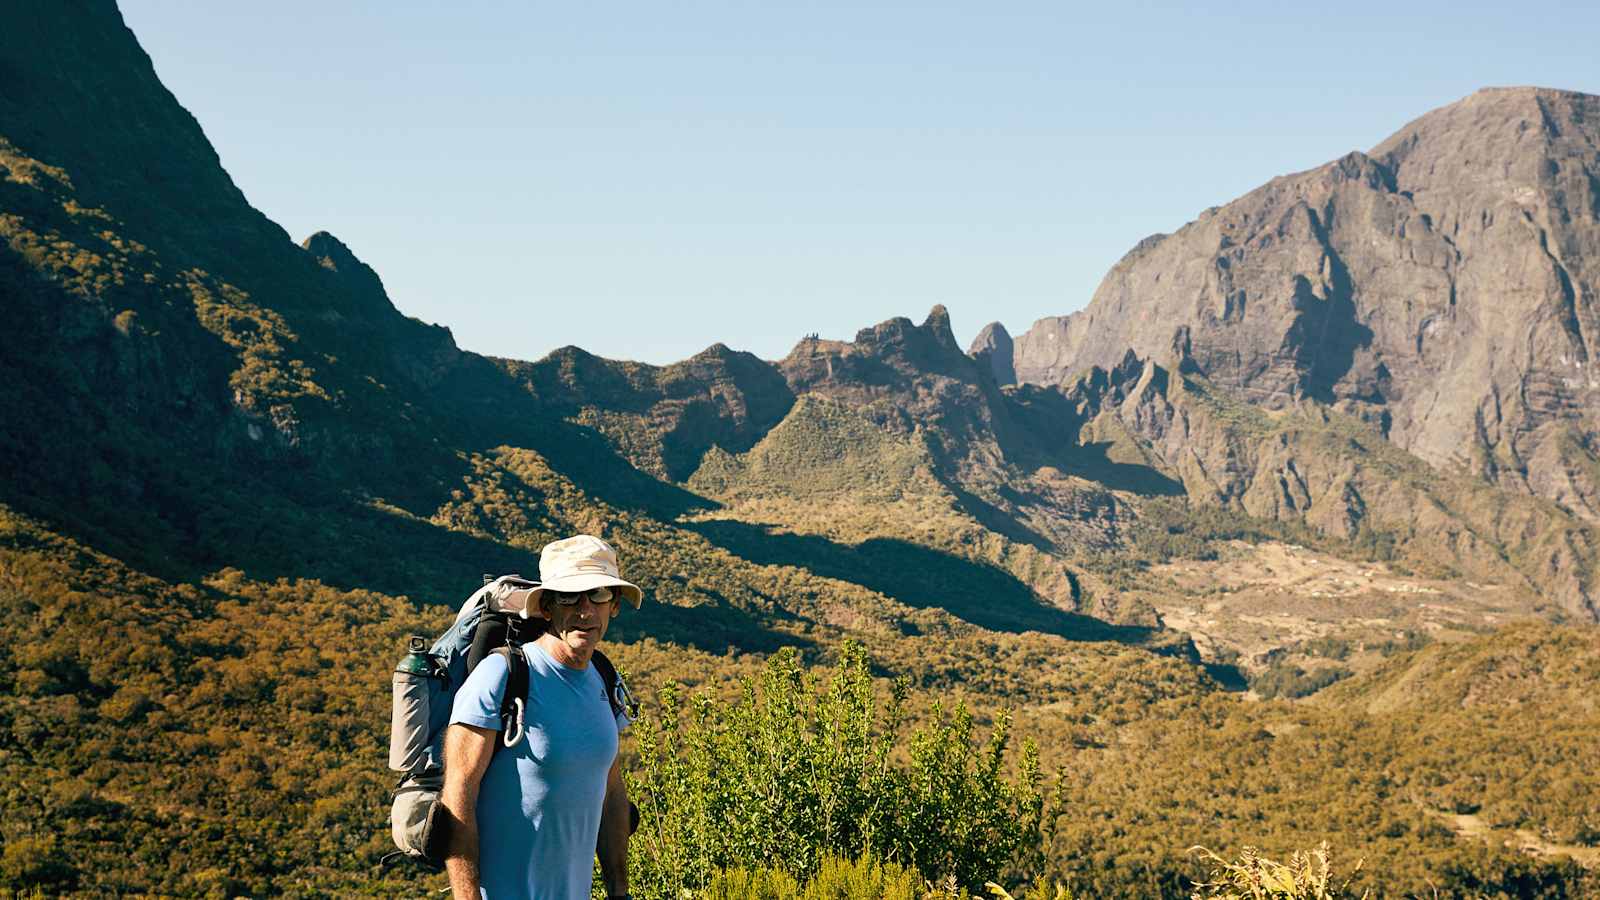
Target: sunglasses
(597, 596)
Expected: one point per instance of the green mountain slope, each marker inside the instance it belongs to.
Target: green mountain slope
(1500, 728)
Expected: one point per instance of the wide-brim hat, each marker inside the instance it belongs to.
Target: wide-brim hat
(581, 563)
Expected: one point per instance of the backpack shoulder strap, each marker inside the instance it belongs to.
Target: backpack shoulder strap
(616, 692)
(608, 678)
(512, 702)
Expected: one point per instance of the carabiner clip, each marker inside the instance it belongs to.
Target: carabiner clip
(520, 732)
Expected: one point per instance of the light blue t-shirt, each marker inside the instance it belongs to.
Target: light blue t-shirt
(539, 803)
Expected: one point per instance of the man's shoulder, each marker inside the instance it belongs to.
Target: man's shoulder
(478, 701)
(489, 673)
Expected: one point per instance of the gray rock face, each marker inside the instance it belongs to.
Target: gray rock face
(1444, 287)
(993, 349)
(1336, 474)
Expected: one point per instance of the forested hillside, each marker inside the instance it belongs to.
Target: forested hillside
(236, 477)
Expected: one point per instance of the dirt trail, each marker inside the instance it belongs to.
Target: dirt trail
(1261, 601)
(1521, 839)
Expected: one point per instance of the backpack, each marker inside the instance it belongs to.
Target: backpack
(424, 686)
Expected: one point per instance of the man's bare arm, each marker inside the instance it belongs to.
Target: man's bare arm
(467, 751)
(615, 825)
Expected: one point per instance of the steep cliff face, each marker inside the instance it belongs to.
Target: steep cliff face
(994, 349)
(175, 365)
(1442, 287)
(1311, 463)
(80, 95)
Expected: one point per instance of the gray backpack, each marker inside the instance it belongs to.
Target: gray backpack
(425, 684)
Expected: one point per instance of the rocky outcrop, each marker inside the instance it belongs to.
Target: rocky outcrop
(1001, 459)
(1444, 287)
(911, 378)
(662, 419)
(993, 348)
(1338, 474)
(362, 285)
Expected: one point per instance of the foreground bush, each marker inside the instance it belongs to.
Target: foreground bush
(836, 879)
(1251, 876)
(789, 774)
(865, 878)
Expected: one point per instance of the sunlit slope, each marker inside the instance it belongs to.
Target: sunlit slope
(1499, 728)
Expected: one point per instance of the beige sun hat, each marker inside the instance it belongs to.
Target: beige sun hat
(579, 564)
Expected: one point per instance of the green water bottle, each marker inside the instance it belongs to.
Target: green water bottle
(416, 661)
(408, 719)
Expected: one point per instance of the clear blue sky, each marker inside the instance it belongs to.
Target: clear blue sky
(646, 179)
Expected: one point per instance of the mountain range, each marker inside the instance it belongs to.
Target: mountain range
(1438, 291)
(1347, 416)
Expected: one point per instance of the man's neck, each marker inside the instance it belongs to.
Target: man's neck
(563, 654)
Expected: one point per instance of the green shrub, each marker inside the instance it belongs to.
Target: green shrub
(739, 883)
(1291, 681)
(35, 862)
(789, 774)
(866, 878)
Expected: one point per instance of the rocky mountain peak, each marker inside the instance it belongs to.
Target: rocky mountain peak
(937, 324)
(1444, 286)
(1498, 144)
(331, 253)
(80, 96)
(893, 352)
(717, 351)
(361, 283)
(992, 349)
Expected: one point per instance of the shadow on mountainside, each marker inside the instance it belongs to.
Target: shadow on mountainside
(1055, 426)
(992, 517)
(1230, 677)
(921, 577)
(1092, 461)
(131, 446)
(714, 627)
(486, 409)
(347, 545)
(1327, 331)
(587, 460)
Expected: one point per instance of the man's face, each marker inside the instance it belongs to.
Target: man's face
(579, 627)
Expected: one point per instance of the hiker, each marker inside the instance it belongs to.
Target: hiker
(524, 821)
